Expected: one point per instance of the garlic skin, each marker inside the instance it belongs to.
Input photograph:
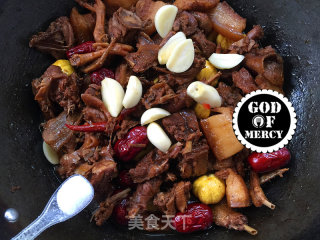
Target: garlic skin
(164, 19)
(133, 93)
(152, 115)
(204, 93)
(225, 61)
(166, 51)
(158, 137)
(50, 154)
(182, 57)
(112, 96)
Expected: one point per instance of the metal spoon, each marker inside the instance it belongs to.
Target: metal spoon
(73, 195)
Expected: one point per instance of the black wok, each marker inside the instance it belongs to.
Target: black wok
(292, 26)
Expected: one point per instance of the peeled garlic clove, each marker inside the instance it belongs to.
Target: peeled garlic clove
(225, 61)
(153, 114)
(112, 96)
(158, 137)
(50, 154)
(164, 19)
(204, 93)
(165, 52)
(133, 93)
(182, 57)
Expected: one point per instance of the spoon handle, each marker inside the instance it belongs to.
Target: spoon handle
(35, 228)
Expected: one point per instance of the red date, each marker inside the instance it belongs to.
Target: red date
(266, 162)
(125, 179)
(86, 47)
(134, 142)
(97, 76)
(120, 212)
(198, 216)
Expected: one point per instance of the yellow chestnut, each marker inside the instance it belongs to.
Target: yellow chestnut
(207, 72)
(209, 189)
(65, 66)
(202, 110)
(224, 42)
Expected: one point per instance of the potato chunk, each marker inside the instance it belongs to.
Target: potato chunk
(219, 133)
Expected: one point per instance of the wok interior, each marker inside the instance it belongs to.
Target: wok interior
(288, 26)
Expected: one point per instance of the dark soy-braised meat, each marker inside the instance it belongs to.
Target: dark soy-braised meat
(183, 126)
(96, 164)
(256, 33)
(57, 135)
(221, 165)
(103, 171)
(249, 42)
(204, 21)
(182, 195)
(144, 39)
(242, 79)
(66, 92)
(124, 26)
(55, 88)
(239, 160)
(154, 164)
(69, 162)
(144, 193)
(175, 199)
(185, 22)
(125, 126)
(165, 201)
(146, 10)
(159, 93)
(123, 73)
(230, 95)
(194, 163)
(180, 101)
(95, 110)
(170, 177)
(225, 216)
(145, 58)
(263, 83)
(82, 25)
(99, 9)
(196, 5)
(182, 80)
(207, 47)
(267, 63)
(93, 115)
(106, 207)
(56, 40)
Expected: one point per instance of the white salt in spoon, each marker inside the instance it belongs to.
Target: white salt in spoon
(73, 195)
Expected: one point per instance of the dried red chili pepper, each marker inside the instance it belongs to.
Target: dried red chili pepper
(198, 216)
(93, 127)
(133, 143)
(206, 106)
(97, 76)
(85, 47)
